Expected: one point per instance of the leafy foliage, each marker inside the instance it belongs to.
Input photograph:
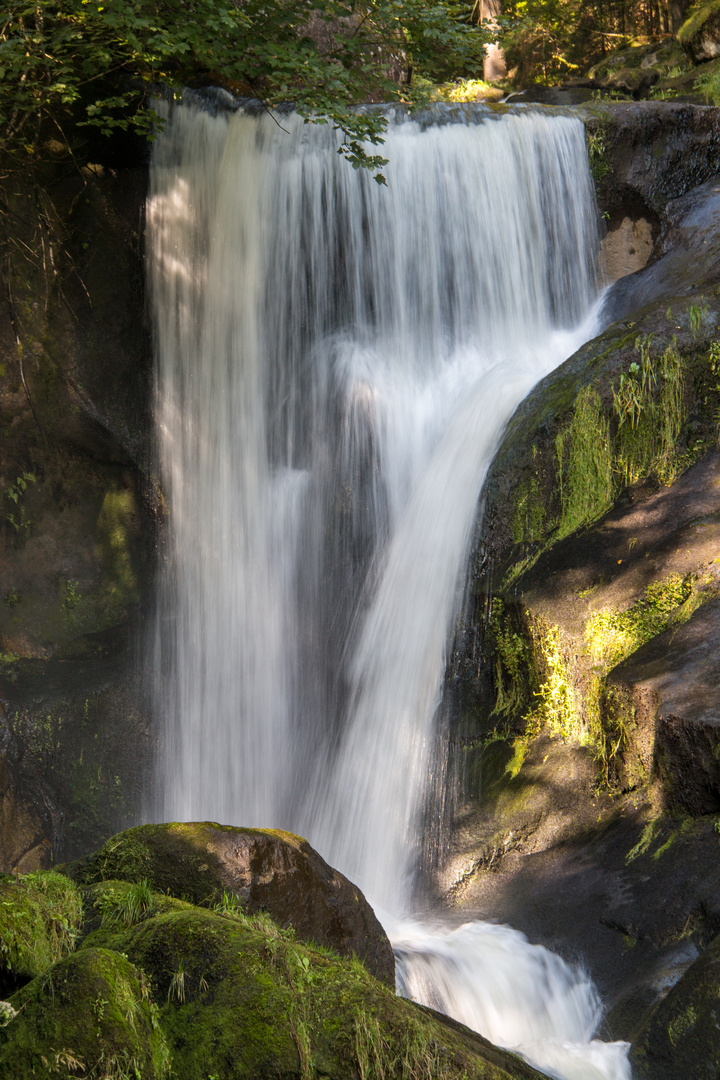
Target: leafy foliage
(66, 65)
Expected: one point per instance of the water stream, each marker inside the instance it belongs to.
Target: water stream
(336, 364)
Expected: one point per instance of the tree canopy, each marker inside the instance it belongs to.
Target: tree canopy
(69, 65)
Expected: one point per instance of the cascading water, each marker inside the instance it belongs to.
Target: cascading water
(336, 364)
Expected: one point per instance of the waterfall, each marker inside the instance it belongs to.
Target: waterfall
(336, 362)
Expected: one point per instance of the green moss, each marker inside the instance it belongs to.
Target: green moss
(556, 699)
(40, 917)
(90, 1015)
(237, 1002)
(682, 1024)
(697, 17)
(528, 519)
(611, 636)
(584, 465)
(116, 524)
(513, 662)
(646, 839)
(649, 405)
(597, 150)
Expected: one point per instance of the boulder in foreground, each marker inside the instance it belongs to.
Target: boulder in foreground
(267, 870)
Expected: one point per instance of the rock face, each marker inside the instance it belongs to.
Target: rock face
(160, 987)
(77, 509)
(681, 1038)
(671, 689)
(587, 675)
(267, 870)
(689, 255)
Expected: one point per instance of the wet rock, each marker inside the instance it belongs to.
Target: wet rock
(268, 870)
(632, 897)
(25, 831)
(79, 745)
(77, 511)
(650, 153)
(680, 1040)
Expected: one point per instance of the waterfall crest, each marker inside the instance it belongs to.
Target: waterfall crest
(336, 362)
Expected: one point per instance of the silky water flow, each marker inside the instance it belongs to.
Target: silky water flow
(336, 363)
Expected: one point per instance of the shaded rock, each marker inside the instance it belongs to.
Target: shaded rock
(518, 799)
(689, 256)
(78, 744)
(25, 831)
(632, 897)
(88, 1012)
(671, 690)
(681, 1038)
(268, 870)
(77, 510)
(622, 68)
(649, 153)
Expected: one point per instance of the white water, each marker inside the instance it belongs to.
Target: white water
(336, 364)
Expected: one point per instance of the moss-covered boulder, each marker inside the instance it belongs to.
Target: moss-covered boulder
(680, 1040)
(160, 987)
(40, 919)
(700, 33)
(267, 870)
(240, 997)
(87, 1015)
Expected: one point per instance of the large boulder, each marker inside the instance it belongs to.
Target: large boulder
(241, 998)
(159, 987)
(267, 870)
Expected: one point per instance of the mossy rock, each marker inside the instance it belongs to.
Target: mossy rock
(240, 997)
(681, 1038)
(267, 870)
(699, 35)
(40, 916)
(89, 1014)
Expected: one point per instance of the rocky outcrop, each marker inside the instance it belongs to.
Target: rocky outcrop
(687, 255)
(266, 870)
(670, 692)
(680, 1040)
(77, 507)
